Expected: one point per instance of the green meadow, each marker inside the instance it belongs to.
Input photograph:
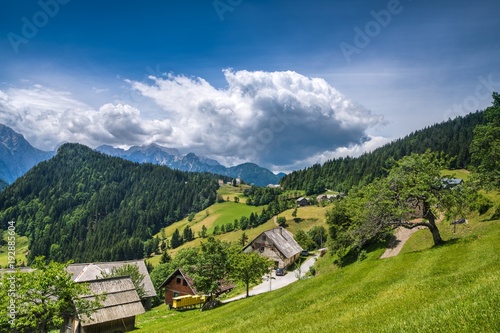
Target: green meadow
(226, 212)
(21, 246)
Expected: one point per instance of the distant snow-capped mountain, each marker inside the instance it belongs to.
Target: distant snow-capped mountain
(171, 157)
(17, 155)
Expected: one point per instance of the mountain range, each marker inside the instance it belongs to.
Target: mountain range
(86, 206)
(17, 156)
(251, 173)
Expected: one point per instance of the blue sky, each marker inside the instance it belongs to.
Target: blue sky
(281, 83)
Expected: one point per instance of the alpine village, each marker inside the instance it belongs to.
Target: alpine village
(403, 238)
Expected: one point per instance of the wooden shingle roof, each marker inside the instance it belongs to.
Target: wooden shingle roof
(93, 271)
(282, 240)
(121, 300)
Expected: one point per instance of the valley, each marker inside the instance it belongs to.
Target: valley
(86, 206)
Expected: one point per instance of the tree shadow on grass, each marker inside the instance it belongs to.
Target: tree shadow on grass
(392, 242)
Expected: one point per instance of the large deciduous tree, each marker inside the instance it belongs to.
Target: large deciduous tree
(414, 187)
(249, 267)
(212, 268)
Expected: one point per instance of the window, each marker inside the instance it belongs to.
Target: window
(184, 283)
(176, 294)
(178, 280)
(262, 249)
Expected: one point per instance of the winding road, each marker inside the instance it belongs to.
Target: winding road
(277, 282)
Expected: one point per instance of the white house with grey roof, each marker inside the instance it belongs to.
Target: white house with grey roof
(276, 244)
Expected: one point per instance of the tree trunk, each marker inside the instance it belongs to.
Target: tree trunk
(429, 215)
(248, 289)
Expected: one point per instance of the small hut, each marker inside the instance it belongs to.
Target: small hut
(117, 312)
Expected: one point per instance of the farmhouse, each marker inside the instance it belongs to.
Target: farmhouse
(302, 201)
(117, 312)
(276, 244)
(326, 197)
(93, 271)
(180, 284)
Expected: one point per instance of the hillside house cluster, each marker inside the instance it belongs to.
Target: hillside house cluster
(326, 197)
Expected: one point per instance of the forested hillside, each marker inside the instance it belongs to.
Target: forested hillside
(3, 184)
(452, 137)
(86, 206)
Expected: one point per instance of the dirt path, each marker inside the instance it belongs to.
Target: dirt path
(402, 235)
(275, 219)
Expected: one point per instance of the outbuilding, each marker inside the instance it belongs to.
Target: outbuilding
(117, 312)
(92, 271)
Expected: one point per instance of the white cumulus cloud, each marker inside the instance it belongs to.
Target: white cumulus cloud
(47, 117)
(276, 119)
(272, 118)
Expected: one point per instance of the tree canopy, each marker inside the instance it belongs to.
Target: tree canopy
(413, 194)
(485, 147)
(213, 266)
(87, 206)
(42, 298)
(249, 268)
(452, 137)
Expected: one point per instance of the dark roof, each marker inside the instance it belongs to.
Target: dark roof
(121, 300)
(282, 240)
(224, 285)
(93, 271)
(451, 182)
(185, 276)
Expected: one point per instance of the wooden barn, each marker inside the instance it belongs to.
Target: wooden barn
(301, 202)
(93, 271)
(117, 312)
(180, 284)
(278, 245)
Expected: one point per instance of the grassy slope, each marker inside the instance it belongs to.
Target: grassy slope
(450, 288)
(307, 217)
(222, 213)
(21, 250)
